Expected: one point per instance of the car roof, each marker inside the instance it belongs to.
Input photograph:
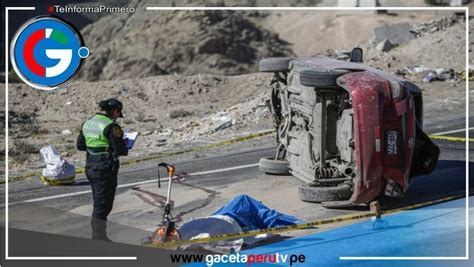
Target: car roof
(325, 63)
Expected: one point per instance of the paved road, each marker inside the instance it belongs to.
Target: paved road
(214, 177)
(212, 161)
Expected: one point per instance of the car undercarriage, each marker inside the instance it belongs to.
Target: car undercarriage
(349, 132)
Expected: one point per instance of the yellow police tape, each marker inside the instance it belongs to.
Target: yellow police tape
(351, 217)
(66, 181)
(204, 147)
(451, 138)
(80, 170)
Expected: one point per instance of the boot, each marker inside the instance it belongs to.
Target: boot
(99, 230)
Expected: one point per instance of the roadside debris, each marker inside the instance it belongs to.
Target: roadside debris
(437, 25)
(396, 34)
(342, 54)
(430, 74)
(471, 72)
(66, 132)
(58, 171)
(417, 69)
(440, 75)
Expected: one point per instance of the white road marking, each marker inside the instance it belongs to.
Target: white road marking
(128, 185)
(166, 179)
(454, 131)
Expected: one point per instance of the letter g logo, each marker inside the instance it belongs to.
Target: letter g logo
(47, 51)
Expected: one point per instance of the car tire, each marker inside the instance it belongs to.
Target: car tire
(275, 64)
(317, 194)
(321, 78)
(271, 166)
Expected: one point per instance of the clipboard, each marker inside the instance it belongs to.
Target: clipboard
(132, 137)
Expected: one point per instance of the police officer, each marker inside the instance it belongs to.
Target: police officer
(102, 138)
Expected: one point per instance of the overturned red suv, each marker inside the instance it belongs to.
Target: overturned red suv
(349, 131)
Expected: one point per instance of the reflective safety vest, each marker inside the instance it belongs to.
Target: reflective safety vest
(93, 131)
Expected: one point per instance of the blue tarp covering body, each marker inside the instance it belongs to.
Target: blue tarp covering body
(434, 231)
(251, 214)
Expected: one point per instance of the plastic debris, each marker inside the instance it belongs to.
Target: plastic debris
(343, 54)
(429, 74)
(417, 69)
(440, 74)
(445, 74)
(66, 132)
(58, 171)
(430, 77)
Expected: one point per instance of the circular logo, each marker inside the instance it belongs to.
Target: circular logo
(47, 51)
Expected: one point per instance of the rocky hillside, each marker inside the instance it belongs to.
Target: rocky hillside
(177, 42)
(176, 111)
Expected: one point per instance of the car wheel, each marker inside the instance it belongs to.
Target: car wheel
(321, 78)
(316, 194)
(271, 166)
(275, 64)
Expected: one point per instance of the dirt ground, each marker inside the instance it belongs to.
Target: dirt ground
(335, 30)
(173, 111)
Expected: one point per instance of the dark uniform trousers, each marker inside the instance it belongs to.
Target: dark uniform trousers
(101, 171)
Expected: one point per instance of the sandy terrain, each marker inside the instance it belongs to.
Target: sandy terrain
(311, 32)
(174, 111)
